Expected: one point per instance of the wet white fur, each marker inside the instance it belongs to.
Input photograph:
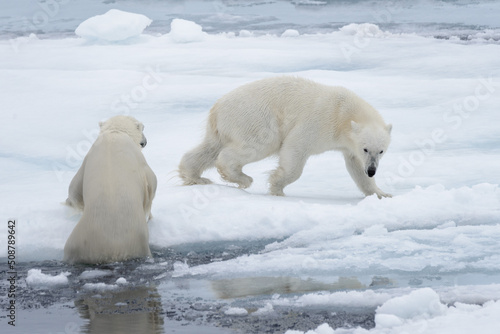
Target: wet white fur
(293, 118)
(115, 188)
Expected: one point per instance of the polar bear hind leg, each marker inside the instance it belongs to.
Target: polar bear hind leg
(199, 159)
(230, 163)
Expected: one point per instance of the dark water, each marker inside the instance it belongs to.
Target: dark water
(464, 20)
(153, 301)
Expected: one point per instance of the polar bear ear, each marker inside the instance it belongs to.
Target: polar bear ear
(356, 128)
(389, 128)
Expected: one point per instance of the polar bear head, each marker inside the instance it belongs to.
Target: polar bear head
(125, 124)
(371, 142)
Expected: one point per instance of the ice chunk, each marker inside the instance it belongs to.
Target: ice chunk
(290, 33)
(420, 303)
(115, 25)
(263, 310)
(183, 31)
(364, 30)
(322, 329)
(99, 286)
(121, 280)
(366, 298)
(37, 279)
(91, 274)
(180, 268)
(245, 33)
(236, 311)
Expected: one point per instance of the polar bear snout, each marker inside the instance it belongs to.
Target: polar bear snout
(371, 171)
(143, 142)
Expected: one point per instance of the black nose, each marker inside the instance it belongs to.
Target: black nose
(143, 143)
(371, 171)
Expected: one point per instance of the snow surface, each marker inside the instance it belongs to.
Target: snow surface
(114, 25)
(440, 230)
(421, 311)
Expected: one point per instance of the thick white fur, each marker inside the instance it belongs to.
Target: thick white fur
(293, 118)
(115, 188)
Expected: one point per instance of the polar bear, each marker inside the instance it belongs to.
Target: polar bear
(115, 188)
(293, 118)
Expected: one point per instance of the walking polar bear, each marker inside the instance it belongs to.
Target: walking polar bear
(293, 118)
(115, 188)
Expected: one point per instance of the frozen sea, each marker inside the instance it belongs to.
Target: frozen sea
(323, 259)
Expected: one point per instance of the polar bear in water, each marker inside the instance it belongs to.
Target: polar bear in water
(293, 118)
(115, 188)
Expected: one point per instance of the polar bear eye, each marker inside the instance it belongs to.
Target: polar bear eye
(366, 151)
(381, 152)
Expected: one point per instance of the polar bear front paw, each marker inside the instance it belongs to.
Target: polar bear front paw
(381, 194)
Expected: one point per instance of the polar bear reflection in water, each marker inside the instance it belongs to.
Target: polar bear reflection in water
(293, 118)
(114, 188)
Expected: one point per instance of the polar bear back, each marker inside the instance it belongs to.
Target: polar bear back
(115, 188)
(114, 172)
(269, 109)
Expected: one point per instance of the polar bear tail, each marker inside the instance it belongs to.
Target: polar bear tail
(201, 158)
